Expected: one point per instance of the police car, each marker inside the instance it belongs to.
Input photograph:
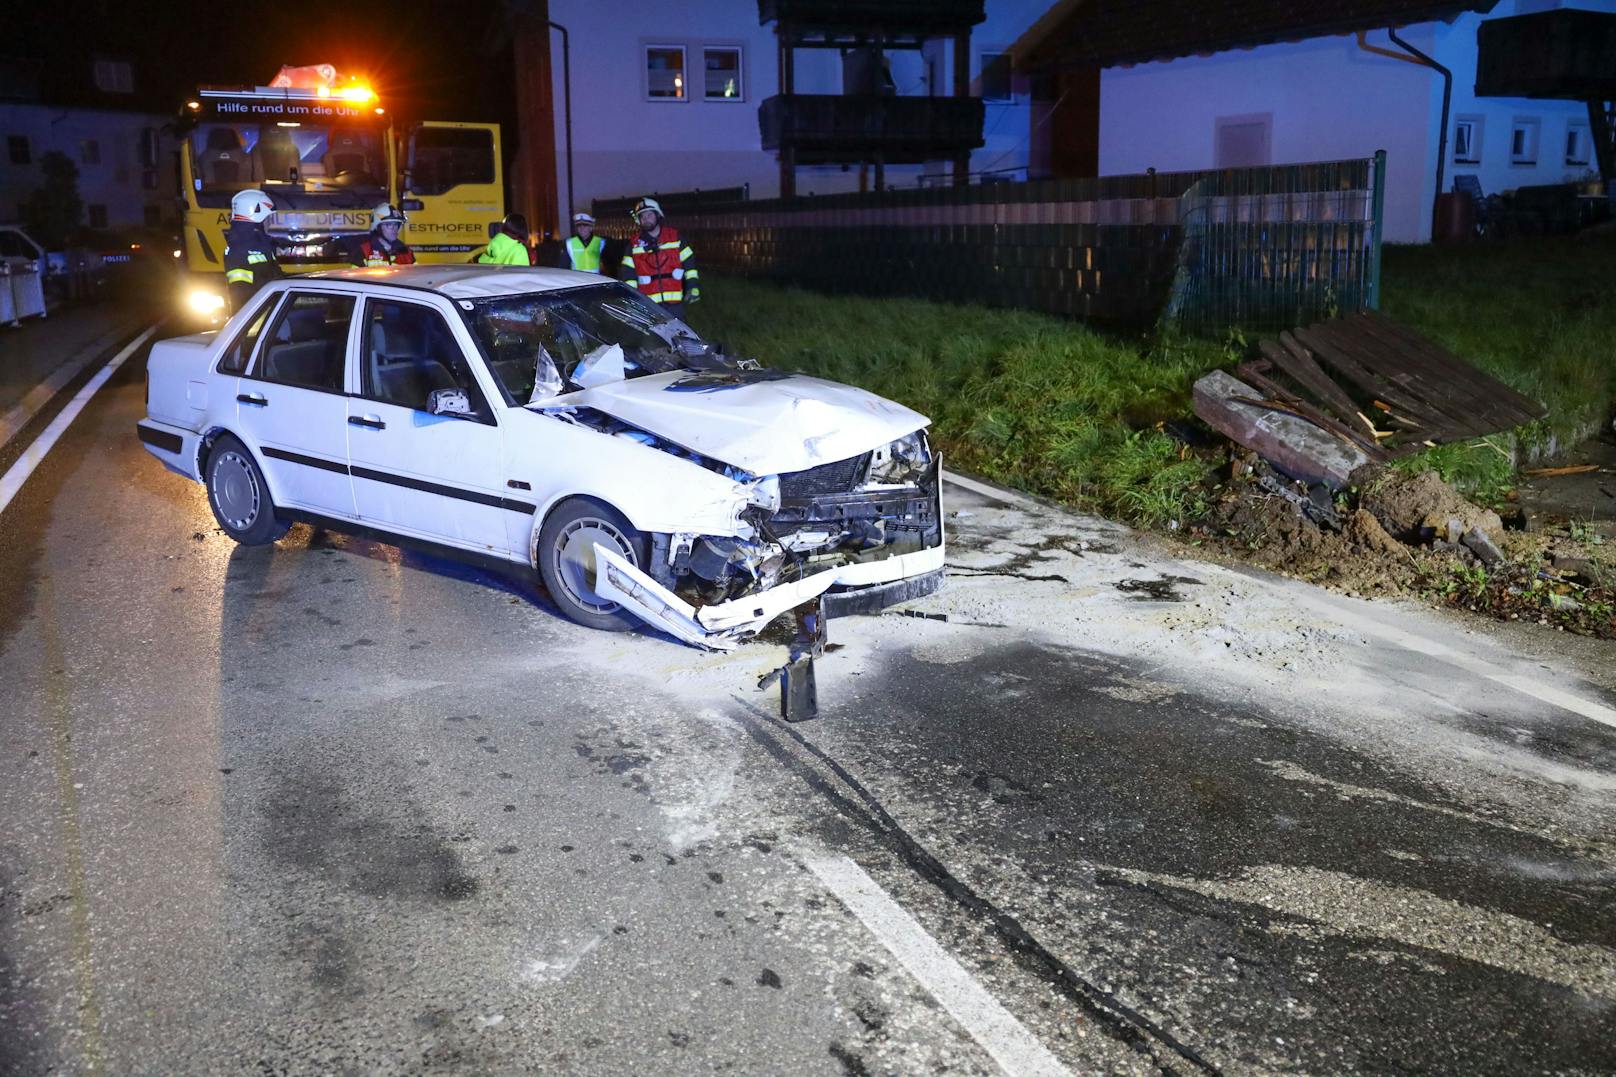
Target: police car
(548, 420)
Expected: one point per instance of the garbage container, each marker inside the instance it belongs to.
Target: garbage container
(1455, 218)
(8, 309)
(27, 291)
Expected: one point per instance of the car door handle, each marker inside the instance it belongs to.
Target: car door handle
(257, 400)
(372, 421)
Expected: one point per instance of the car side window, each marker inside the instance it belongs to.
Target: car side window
(235, 357)
(409, 351)
(307, 344)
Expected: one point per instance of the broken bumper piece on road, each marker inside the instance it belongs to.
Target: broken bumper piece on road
(725, 625)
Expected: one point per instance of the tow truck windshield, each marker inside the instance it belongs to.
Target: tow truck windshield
(334, 163)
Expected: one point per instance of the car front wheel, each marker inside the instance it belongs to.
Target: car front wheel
(238, 495)
(566, 556)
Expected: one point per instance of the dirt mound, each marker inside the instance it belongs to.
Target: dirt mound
(1413, 534)
(1418, 508)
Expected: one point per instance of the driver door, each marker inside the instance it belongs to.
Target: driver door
(453, 189)
(436, 477)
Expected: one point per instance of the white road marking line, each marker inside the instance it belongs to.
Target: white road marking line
(1013, 1047)
(1343, 615)
(18, 474)
(1550, 694)
(40, 395)
(1004, 497)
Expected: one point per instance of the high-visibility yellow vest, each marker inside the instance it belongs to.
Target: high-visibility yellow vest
(585, 256)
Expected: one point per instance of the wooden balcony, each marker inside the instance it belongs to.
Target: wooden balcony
(893, 18)
(1565, 54)
(832, 129)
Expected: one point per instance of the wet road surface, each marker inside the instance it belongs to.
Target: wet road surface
(330, 807)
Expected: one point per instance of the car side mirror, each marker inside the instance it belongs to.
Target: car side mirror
(450, 402)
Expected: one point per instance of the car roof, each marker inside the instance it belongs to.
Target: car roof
(465, 281)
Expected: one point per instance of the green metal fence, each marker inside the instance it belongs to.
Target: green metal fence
(1276, 247)
(1254, 246)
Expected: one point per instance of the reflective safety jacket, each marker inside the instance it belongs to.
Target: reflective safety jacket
(249, 261)
(585, 257)
(505, 251)
(663, 266)
(373, 250)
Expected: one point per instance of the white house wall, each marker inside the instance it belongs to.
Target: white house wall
(624, 144)
(1456, 49)
(115, 181)
(1328, 100)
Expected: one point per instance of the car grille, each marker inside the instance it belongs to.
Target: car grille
(836, 478)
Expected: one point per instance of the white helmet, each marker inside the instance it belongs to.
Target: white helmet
(387, 213)
(582, 218)
(648, 204)
(251, 205)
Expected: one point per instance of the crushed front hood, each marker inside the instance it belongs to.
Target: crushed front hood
(764, 421)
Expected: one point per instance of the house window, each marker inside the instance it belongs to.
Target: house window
(665, 73)
(1243, 141)
(1578, 144)
(1523, 142)
(98, 216)
(17, 146)
(89, 152)
(114, 76)
(996, 84)
(723, 74)
(1467, 140)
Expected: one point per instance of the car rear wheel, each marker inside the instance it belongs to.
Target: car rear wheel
(566, 556)
(238, 495)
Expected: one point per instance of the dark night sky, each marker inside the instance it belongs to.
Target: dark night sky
(431, 59)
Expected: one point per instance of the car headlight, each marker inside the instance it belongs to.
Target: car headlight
(900, 461)
(204, 302)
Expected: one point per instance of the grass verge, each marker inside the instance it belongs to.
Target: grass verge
(1060, 410)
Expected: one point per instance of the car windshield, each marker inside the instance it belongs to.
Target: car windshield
(231, 156)
(541, 345)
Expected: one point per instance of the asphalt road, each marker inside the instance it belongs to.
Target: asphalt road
(327, 807)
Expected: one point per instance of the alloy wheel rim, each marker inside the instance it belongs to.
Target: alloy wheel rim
(575, 560)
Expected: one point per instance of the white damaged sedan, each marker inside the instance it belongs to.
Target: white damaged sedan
(552, 420)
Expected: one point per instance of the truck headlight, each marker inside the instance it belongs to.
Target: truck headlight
(204, 302)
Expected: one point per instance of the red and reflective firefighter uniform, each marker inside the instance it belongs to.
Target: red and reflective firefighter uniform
(374, 250)
(663, 266)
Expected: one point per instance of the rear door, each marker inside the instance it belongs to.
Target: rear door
(453, 190)
(292, 404)
(438, 477)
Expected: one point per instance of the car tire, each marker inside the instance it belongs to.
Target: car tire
(239, 496)
(566, 560)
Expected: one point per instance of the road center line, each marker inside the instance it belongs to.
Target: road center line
(18, 473)
(1013, 1047)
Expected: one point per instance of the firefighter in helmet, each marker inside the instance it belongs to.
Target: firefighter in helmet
(385, 245)
(659, 262)
(249, 256)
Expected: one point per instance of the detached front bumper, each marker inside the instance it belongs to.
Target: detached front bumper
(857, 588)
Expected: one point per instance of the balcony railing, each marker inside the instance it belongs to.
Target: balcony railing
(904, 16)
(844, 128)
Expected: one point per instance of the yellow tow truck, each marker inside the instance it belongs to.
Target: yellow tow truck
(327, 151)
